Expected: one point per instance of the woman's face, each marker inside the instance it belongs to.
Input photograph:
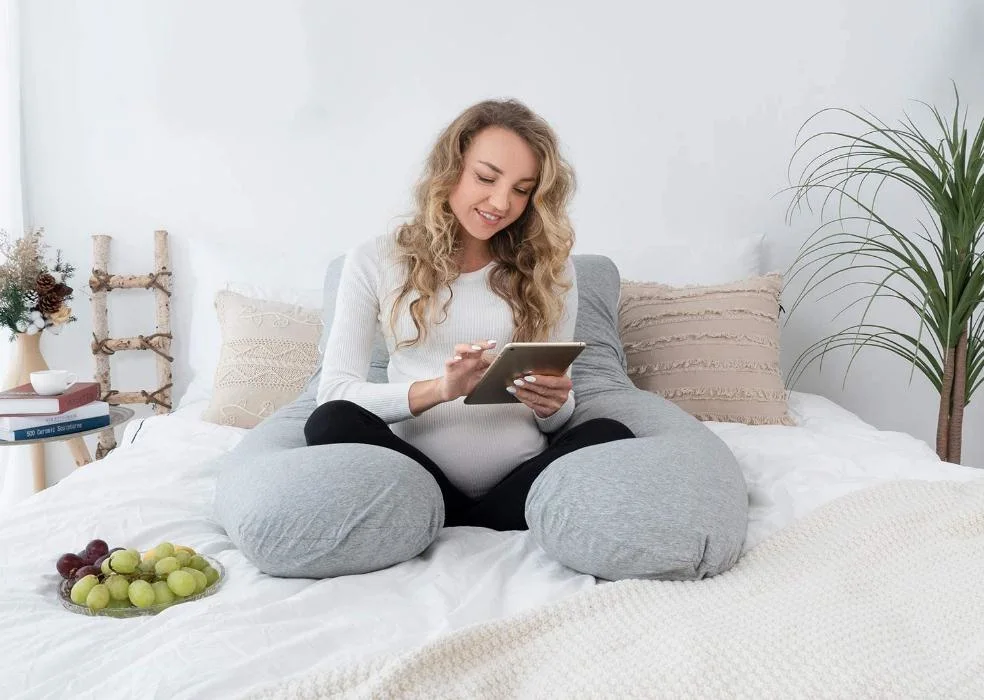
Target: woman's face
(498, 177)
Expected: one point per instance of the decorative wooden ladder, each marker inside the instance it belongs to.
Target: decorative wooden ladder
(101, 282)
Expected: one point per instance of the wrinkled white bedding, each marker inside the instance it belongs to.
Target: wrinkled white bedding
(257, 629)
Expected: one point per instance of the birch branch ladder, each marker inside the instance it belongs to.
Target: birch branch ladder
(101, 282)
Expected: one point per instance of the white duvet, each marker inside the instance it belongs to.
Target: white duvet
(256, 630)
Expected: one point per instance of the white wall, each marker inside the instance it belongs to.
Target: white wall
(11, 194)
(273, 135)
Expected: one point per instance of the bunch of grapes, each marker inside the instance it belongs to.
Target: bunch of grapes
(101, 577)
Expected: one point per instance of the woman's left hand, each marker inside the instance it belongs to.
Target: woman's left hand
(543, 393)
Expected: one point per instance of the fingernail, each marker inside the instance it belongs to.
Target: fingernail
(518, 382)
(530, 379)
(511, 389)
(457, 357)
(476, 347)
(491, 341)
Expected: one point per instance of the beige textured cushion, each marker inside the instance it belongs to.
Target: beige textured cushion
(712, 350)
(269, 350)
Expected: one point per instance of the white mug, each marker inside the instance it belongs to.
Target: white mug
(52, 381)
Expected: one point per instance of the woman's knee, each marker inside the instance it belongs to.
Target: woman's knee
(332, 422)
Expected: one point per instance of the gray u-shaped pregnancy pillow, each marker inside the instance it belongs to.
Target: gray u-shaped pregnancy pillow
(670, 504)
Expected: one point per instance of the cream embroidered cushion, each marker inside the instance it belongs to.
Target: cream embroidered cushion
(712, 350)
(269, 350)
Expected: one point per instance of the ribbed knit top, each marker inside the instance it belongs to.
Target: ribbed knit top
(475, 446)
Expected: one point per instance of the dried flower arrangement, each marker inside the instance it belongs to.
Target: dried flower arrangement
(34, 295)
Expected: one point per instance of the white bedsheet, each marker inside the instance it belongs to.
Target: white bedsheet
(259, 629)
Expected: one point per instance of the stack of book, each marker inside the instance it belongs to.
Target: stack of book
(27, 415)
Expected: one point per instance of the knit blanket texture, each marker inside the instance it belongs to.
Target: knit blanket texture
(877, 594)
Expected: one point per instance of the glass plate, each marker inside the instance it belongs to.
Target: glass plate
(64, 594)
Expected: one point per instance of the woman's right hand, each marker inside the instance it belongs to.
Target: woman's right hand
(463, 371)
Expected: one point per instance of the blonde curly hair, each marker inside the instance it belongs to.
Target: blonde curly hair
(531, 253)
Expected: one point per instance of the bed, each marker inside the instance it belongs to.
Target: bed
(273, 637)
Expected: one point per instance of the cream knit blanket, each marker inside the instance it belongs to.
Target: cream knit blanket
(878, 594)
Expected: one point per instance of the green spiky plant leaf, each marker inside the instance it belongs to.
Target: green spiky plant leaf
(936, 271)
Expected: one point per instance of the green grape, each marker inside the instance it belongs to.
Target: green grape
(147, 565)
(200, 581)
(113, 603)
(105, 567)
(181, 583)
(141, 594)
(118, 587)
(98, 597)
(124, 561)
(211, 575)
(162, 594)
(80, 591)
(164, 549)
(183, 557)
(166, 566)
(198, 562)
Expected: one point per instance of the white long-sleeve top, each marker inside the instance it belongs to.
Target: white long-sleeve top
(475, 446)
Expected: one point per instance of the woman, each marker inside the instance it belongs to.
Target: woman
(484, 261)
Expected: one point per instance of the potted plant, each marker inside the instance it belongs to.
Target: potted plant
(933, 268)
(34, 298)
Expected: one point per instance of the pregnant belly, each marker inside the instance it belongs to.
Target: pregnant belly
(475, 446)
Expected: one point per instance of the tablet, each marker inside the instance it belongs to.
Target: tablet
(518, 359)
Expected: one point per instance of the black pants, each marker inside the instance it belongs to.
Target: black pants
(504, 506)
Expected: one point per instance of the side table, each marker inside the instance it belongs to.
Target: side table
(80, 451)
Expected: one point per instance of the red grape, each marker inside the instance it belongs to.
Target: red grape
(94, 550)
(86, 570)
(98, 562)
(68, 564)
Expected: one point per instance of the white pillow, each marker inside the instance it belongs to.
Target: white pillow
(208, 266)
(308, 298)
(683, 262)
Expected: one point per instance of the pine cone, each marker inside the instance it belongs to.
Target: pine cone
(62, 290)
(49, 303)
(45, 283)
